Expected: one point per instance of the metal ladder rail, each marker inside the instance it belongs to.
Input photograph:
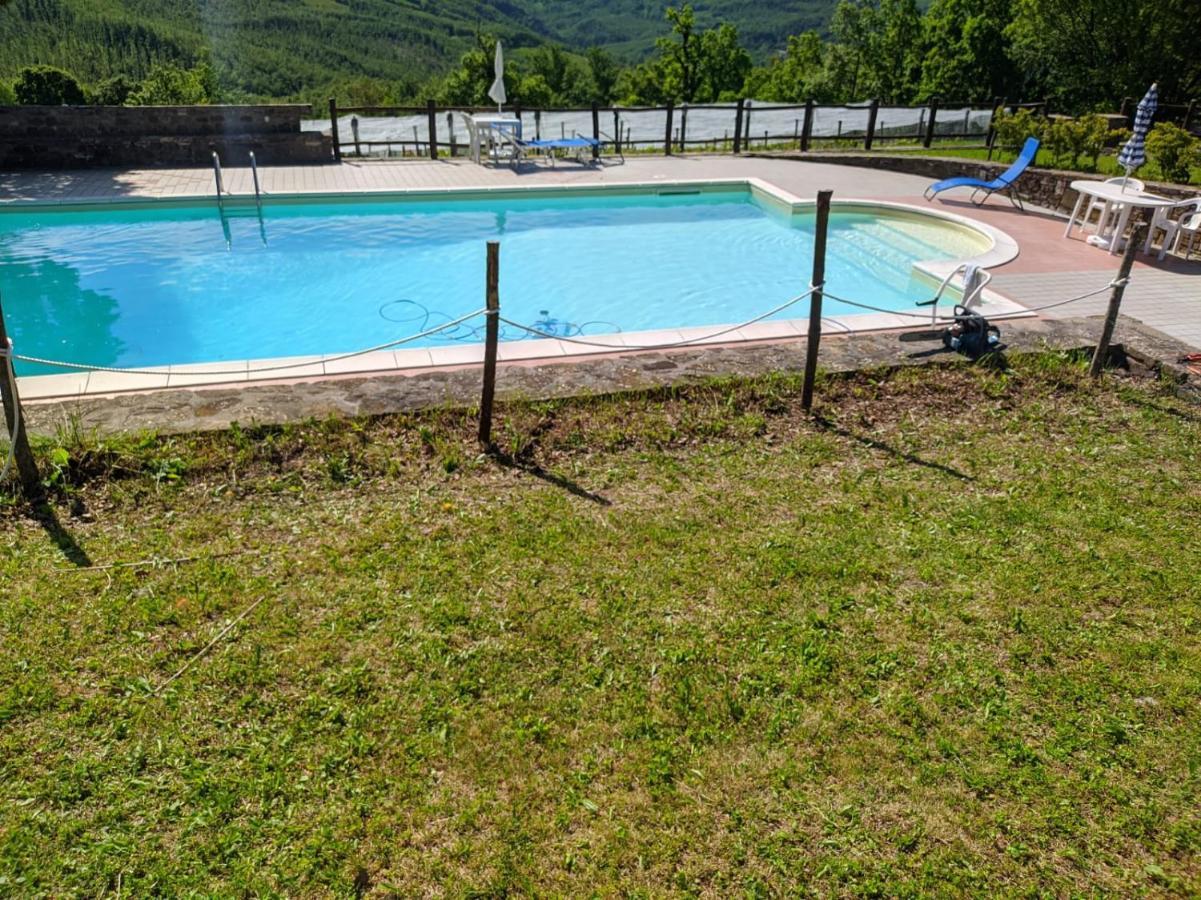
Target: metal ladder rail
(220, 181)
(254, 171)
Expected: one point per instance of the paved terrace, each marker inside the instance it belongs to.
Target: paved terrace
(1166, 296)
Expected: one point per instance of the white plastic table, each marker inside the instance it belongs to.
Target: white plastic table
(487, 125)
(1115, 192)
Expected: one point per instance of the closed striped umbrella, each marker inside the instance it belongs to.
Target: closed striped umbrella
(1134, 153)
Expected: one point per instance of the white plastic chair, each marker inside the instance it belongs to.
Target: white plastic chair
(1110, 210)
(1174, 230)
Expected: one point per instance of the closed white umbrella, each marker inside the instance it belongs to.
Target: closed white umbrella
(497, 91)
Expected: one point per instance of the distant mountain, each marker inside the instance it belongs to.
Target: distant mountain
(284, 48)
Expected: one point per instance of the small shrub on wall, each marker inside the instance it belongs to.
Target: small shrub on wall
(1174, 150)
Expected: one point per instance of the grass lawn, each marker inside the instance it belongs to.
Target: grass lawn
(944, 640)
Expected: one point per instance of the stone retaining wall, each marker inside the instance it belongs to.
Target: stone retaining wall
(1043, 187)
(72, 137)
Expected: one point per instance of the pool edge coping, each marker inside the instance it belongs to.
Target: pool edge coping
(99, 382)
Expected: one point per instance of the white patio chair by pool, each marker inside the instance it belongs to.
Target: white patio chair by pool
(1174, 230)
(1110, 210)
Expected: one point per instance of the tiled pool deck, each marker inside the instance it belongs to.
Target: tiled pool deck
(1049, 267)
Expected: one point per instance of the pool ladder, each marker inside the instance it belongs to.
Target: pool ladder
(222, 192)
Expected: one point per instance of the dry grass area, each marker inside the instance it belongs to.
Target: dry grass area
(941, 639)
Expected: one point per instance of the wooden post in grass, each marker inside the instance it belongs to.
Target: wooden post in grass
(738, 126)
(431, 112)
(27, 469)
(333, 129)
(870, 134)
(929, 138)
(491, 335)
(815, 299)
(671, 108)
(1137, 233)
(807, 128)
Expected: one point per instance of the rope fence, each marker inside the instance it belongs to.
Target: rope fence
(18, 447)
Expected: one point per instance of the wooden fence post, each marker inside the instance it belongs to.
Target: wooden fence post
(807, 128)
(738, 126)
(595, 130)
(684, 128)
(929, 137)
(873, 110)
(746, 124)
(1188, 115)
(815, 298)
(354, 129)
(333, 129)
(998, 107)
(671, 107)
(27, 468)
(491, 335)
(450, 129)
(1115, 298)
(432, 113)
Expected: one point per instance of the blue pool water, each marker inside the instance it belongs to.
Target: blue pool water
(153, 286)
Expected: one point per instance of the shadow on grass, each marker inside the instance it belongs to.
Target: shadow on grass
(532, 468)
(1152, 406)
(834, 428)
(44, 514)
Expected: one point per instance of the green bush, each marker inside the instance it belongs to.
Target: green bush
(1084, 136)
(114, 91)
(1012, 129)
(47, 86)
(169, 85)
(1174, 150)
(8, 96)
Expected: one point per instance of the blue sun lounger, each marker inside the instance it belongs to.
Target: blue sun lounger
(580, 146)
(1003, 183)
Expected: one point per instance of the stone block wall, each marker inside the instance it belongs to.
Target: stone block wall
(1048, 188)
(70, 137)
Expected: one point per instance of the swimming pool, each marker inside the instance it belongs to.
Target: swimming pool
(153, 285)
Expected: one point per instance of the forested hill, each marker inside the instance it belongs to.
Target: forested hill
(282, 48)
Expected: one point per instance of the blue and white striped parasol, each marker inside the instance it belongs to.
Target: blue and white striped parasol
(1134, 153)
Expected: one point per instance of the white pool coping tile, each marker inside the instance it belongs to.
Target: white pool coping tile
(296, 367)
(457, 355)
(122, 382)
(539, 348)
(376, 361)
(191, 374)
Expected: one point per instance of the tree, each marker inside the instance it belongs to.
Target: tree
(114, 91)
(467, 85)
(795, 76)
(968, 52)
(883, 44)
(169, 85)
(47, 86)
(604, 72)
(1088, 53)
(724, 65)
(680, 59)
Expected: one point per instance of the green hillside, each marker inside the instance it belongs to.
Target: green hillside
(280, 48)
